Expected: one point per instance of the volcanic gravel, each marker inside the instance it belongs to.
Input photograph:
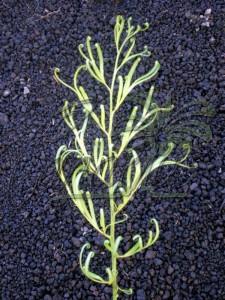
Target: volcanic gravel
(41, 233)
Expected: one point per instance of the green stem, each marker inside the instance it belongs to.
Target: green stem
(113, 212)
(111, 190)
(112, 217)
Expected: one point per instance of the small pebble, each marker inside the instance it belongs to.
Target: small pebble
(6, 93)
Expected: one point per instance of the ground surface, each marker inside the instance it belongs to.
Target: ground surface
(40, 232)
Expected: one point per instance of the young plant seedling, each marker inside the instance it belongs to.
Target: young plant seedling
(101, 162)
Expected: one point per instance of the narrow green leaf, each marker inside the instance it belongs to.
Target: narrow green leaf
(84, 127)
(159, 161)
(102, 109)
(105, 169)
(128, 53)
(138, 29)
(129, 76)
(137, 247)
(88, 273)
(110, 276)
(129, 126)
(68, 116)
(96, 151)
(85, 246)
(58, 159)
(151, 240)
(57, 79)
(117, 243)
(100, 58)
(102, 220)
(75, 79)
(88, 44)
(77, 193)
(187, 148)
(101, 151)
(108, 245)
(120, 92)
(80, 48)
(144, 53)
(86, 267)
(148, 102)
(118, 29)
(146, 76)
(150, 117)
(61, 155)
(92, 70)
(91, 208)
(130, 27)
(85, 100)
(126, 291)
(137, 165)
(88, 260)
(129, 171)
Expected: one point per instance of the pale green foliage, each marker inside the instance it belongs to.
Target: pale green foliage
(101, 160)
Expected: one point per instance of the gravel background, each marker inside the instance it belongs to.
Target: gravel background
(40, 231)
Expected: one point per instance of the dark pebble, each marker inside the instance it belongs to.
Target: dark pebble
(76, 242)
(47, 297)
(170, 270)
(6, 93)
(141, 294)
(193, 186)
(3, 118)
(158, 262)
(150, 254)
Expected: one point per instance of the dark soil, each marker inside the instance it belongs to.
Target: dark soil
(40, 232)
